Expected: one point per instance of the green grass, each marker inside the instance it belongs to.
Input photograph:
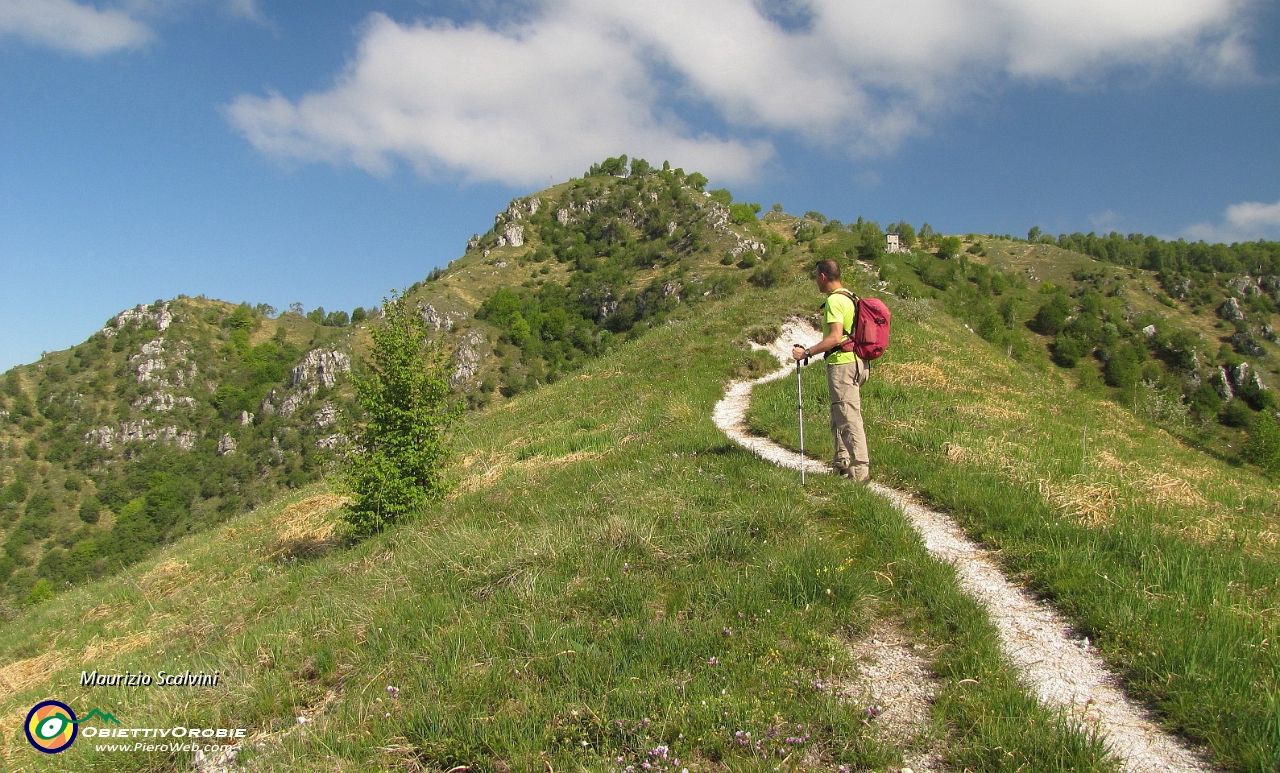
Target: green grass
(611, 575)
(1163, 556)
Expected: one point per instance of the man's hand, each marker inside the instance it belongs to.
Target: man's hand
(797, 352)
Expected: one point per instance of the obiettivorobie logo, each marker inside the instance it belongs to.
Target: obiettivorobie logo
(52, 726)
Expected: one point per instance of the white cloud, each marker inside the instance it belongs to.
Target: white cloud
(71, 27)
(1244, 222)
(576, 80)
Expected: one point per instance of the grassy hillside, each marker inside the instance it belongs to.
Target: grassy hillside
(607, 558)
(1165, 558)
(611, 576)
(178, 415)
(172, 418)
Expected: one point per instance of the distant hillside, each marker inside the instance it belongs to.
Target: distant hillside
(178, 415)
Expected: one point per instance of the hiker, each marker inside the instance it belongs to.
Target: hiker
(845, 374)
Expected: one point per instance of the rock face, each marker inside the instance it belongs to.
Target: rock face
(139, 431)
(466, 359)
(327, 416)
(439, 320)
(158, 314)
(162, 365)
(320, 368)
(162, 402)
(514, 235)
(1231, 311)
(1222, 383)
(331, 442)
(1245, 285)
(226, 445)
(473, 242)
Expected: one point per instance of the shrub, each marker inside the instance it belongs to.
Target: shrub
(1051, 315)
(1125, 367)
(1263, 446)
(1236, 414)
(403, 391)
(949, 246)
(1067, 349)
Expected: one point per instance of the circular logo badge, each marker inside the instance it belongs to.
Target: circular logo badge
(51, 726)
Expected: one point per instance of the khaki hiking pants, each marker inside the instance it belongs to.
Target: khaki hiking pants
(847, 434)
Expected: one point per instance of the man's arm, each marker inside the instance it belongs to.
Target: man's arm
(835, 334)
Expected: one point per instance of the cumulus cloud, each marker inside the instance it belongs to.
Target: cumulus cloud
(1243, 222)
(71, 27)
(568, 82)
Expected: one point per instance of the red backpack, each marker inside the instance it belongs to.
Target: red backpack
(870, 335)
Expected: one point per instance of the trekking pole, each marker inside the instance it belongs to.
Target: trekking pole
(800, 409)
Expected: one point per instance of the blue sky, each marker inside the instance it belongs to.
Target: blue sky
(325, 153)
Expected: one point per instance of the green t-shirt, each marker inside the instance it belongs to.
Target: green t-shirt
(839, 308)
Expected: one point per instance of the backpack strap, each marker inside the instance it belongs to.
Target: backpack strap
(848, 334)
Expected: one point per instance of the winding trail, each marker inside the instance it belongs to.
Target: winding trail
(1061, 671)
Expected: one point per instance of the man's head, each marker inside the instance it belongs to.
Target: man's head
(827, 272)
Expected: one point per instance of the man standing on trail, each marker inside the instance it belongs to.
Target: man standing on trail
(845, 375)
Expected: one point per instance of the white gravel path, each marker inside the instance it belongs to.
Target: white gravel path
(1061, 670)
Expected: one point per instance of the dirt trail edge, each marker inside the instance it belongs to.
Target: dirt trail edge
(1061, 670)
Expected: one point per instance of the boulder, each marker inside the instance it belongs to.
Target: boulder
(1247, 345)
(1231, 311)
(1221, 383)
(226, 445)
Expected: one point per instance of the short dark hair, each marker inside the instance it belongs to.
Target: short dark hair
(830, 268)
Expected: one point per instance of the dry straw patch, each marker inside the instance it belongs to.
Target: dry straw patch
(164, 577)
(304, 528)
(494, 468)
(1092, 502)
(994, 409)
(12, 742)
(916, 375)
(22, 674)
(102, 649)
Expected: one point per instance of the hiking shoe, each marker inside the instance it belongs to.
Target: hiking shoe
(858, 474)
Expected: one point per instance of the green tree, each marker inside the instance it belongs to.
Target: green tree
(1034, 234)
(906, 234)
(743, 213)
(949, 246)
(403, 391)
(926, 235)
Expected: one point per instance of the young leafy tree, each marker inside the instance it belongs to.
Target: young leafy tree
(403, 391)
(948, 246)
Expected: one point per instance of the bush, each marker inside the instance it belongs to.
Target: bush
(1067, 349)
(403, 391)
(1125, 367)
(939, 274)
(1236, 414)
(1263, 446)
(949, 247)
(1051, 315)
